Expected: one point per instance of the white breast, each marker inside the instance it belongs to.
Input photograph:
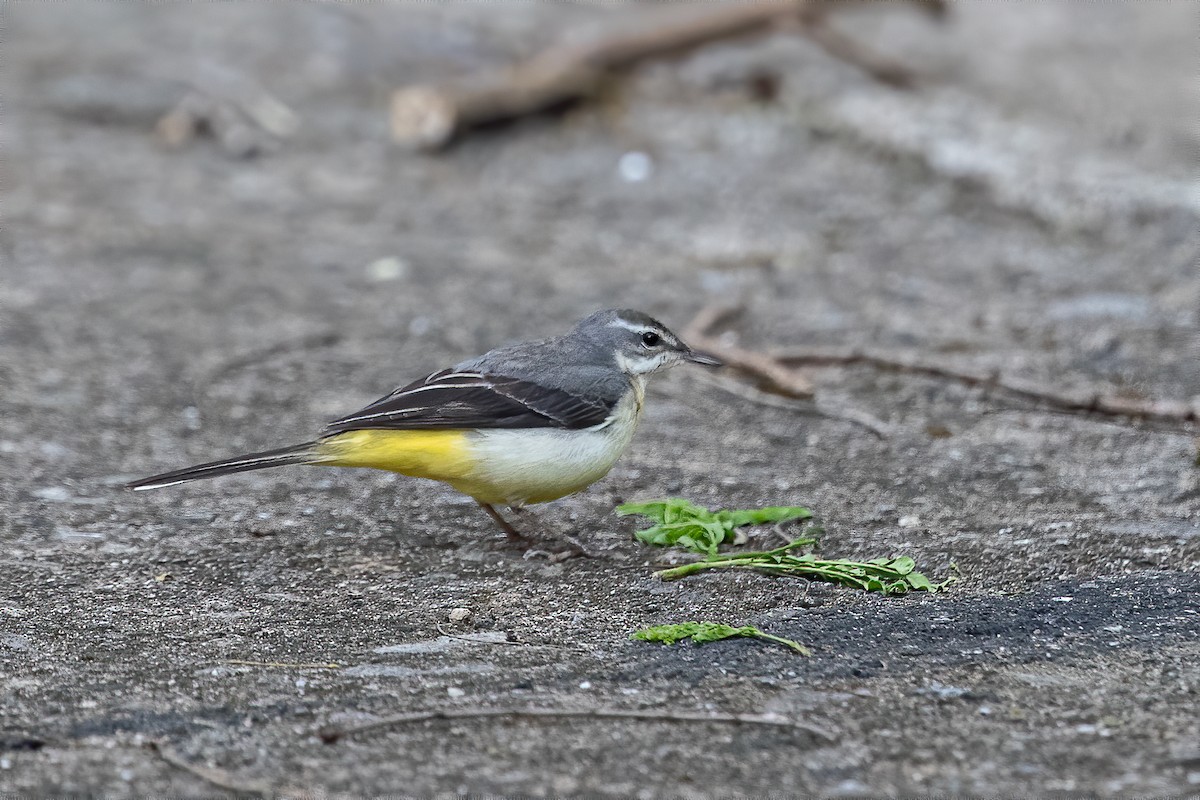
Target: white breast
(536, 465)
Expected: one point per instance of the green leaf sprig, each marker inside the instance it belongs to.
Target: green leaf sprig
(884, 575)
(680, 523)
(704, 632)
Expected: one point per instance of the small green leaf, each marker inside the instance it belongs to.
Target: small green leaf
(681, 523)
(919, 582)
(696, 631)
(704, 632)
(766, 516)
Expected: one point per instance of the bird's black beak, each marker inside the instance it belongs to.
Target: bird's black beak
(697, 357)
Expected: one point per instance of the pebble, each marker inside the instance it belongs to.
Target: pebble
(635, 167)
(387, 269)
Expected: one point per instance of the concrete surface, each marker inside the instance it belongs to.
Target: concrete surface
(1029, 209)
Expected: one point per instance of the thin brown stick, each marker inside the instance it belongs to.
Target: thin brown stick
(429, 117)
(770, 373)
(1092, 403)
(211, 775)
(769, 367)
(333, 735)
(442, 630)
(846, 49)
(856, 416)
(753, 394)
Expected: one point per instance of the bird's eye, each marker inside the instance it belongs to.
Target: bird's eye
(650, 338)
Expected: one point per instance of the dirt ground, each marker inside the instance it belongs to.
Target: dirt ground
(1028, 209)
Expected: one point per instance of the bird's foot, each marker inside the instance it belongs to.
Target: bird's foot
(575, 548)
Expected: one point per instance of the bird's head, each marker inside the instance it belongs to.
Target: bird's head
(640, 343)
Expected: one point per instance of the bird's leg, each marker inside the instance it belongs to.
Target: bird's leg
(512, 533)
(576, 547)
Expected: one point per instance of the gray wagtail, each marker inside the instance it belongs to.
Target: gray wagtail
(528, 423)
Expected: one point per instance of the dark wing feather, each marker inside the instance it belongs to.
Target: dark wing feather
(450, 399)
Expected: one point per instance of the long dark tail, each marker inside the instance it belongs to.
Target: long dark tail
(296, 454)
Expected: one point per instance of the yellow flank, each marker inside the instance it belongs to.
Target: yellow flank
(512, 467)
(440, 455)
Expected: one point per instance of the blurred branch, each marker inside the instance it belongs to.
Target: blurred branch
(245, 123)
(429, 117)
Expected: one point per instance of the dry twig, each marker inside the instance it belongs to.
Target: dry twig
(211, 775)
(246, 124)
(442, 630)
(429, 117)
(775, 371)
(810, 407)
(771, 374)
(333, 735)
(846, 49)
(1163, 411)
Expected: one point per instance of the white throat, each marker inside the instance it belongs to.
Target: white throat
(636, 366)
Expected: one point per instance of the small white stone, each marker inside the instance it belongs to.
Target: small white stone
(585, 685)
(909, 522)
(454, 691)
(635, 167)
(460, 614)
(386, 269)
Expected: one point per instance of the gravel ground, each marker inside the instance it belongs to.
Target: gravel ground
(1027, 210)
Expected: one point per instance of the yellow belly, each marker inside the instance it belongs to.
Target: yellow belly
(440, 455)
(507, 475)
(493, 466)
